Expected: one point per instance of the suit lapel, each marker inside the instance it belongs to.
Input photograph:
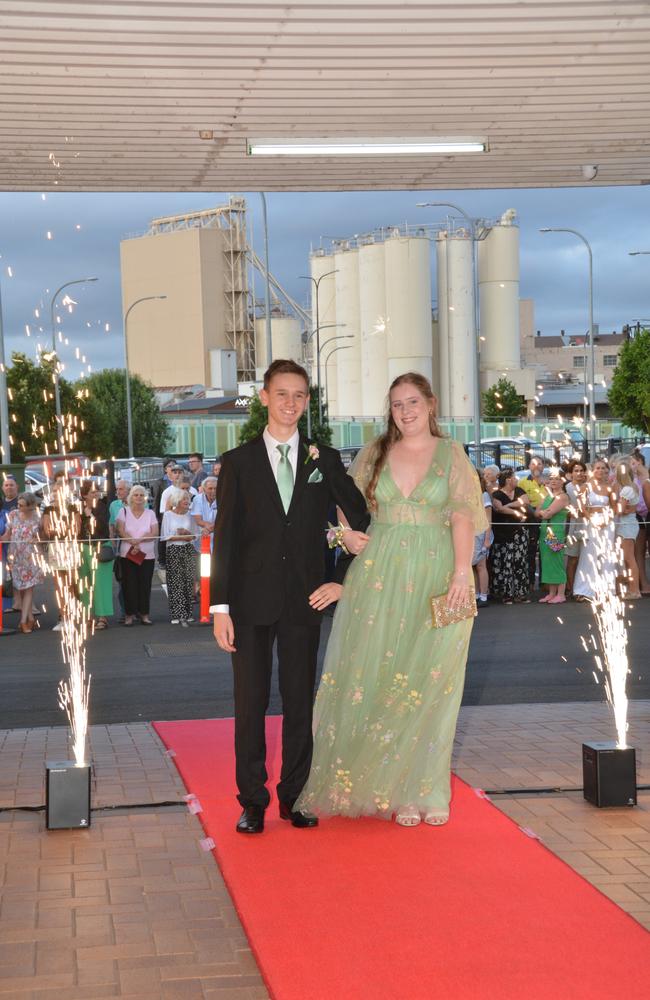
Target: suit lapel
(303, 471)
(266, 474)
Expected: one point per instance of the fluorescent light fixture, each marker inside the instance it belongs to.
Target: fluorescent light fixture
(364, 147)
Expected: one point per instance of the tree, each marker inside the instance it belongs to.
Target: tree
(629, 394)
(257, 417)
(503, 402)
(102, 409)
(32, 413)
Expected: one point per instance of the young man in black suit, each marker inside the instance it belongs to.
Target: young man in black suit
(267, 584)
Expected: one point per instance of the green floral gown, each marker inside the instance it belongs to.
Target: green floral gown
(387, 705)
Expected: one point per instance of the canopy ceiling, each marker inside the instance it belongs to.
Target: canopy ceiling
(112, 95)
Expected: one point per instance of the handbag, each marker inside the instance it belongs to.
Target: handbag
(106, 553)
(135, 556)
(442, 614)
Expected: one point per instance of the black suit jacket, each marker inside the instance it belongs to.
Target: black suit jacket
(265, 561)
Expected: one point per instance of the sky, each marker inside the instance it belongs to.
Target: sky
(85, 232)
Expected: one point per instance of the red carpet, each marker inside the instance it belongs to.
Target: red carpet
(365, 910)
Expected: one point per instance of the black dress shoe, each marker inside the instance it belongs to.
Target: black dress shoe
(251, 820)
(300, 819)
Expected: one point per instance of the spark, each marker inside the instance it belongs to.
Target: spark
(42, 197)
(610, 652)
(9, 271)
(49, 234)
(107, 327)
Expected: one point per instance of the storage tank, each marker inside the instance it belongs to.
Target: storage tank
(372, 323)
(348, 362)
(320, 264)
(498, 275)
(286, 340)
(461, 324)
(444, 375)
(408, 305)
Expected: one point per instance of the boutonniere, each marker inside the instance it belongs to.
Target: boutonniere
(313, 453)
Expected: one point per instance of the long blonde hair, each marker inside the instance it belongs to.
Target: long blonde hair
(392, 434)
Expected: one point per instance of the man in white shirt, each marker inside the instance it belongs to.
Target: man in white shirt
(267, 584)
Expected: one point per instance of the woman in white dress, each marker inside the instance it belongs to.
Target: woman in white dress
(598, 552)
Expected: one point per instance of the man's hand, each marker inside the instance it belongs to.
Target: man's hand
(327, 594)
(355, 541)
(224, 632)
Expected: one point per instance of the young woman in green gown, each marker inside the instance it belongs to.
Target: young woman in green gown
(392, 684)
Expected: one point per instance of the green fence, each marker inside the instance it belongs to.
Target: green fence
(214, 435)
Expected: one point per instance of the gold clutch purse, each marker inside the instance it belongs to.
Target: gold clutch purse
(442, 615)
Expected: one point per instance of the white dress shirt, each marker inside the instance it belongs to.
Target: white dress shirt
(271, 444)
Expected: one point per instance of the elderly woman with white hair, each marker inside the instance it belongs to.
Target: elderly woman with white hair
(178, 532)
(137, 527)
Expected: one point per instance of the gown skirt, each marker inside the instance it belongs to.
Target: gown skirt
(388, 701)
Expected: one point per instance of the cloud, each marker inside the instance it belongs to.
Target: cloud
(553, 266)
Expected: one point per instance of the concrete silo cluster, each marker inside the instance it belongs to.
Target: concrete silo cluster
(374, 317)
(375, 314)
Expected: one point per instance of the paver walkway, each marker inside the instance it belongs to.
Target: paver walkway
(133, 907)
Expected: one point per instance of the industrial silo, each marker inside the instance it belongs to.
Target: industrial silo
(348, 362)
(286, 340)
(444, 374)
(372, 323)
(321, 264)
(498, 275)
(408, 305)
(461, 324)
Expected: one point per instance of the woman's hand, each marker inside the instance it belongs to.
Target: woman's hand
(326, 594)
(355, 541)
(459, 591)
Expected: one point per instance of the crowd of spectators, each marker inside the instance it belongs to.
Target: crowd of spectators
(117, 540)
(556, 529)
(546, 535)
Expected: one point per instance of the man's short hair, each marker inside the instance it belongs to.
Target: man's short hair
(197, 455)
(284, 367)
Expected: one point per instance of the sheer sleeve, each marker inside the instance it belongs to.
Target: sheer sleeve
(465, 496)
(362, 466)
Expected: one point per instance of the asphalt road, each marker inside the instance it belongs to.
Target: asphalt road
(168, 673)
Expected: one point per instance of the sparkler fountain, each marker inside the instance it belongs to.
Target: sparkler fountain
(68, 782)
(609, 767)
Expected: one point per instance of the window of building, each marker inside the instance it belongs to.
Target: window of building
(610, 360)
(578, 360)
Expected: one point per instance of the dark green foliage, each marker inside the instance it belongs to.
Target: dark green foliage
(503, 402)
(629, 394)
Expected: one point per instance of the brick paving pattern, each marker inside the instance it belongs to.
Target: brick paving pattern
(133, 907)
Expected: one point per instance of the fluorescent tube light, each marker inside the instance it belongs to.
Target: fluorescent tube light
(364, 147)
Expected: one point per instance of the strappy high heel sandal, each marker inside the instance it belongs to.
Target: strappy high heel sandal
(408, 816)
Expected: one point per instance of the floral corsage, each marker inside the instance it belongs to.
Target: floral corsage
(313, 453)
(334, 536)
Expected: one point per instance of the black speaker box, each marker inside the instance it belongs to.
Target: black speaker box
(67, 795)
(609, 774)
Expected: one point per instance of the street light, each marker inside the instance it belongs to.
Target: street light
(473, 223)
(57, 394)
(316, 282)
(592, 364)
(129, 421)
(267, 284)
(342, 347)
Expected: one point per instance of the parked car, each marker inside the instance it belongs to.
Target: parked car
(36, 482)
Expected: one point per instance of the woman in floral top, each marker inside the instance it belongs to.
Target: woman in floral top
(23, 531)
